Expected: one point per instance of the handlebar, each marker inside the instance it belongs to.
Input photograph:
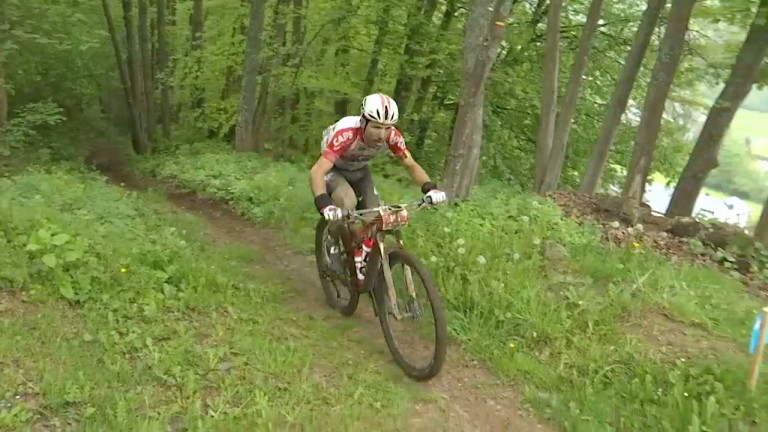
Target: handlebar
(420, 203)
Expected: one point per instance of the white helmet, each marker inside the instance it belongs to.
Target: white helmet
(380, 108)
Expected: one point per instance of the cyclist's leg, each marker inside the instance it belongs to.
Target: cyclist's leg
(340, 190)
(365, 189)
(343, 196)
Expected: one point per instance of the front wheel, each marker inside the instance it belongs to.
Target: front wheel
(338, 292)
(408, 270)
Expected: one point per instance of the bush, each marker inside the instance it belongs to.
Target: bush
(536, 296)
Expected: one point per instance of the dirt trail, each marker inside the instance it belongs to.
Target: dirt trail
(468, 398)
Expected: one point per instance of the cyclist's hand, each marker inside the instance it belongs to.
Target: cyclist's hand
(434, 196)
(332, 213)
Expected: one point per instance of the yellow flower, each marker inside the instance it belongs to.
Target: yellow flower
(635, 244)
(123, 270)
(511, 346)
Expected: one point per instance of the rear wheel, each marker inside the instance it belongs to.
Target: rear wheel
(335, 283)
(414, 308)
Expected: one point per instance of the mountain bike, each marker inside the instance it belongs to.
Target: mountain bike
(380, 224)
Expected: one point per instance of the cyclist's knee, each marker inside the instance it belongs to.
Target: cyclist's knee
(345, 198)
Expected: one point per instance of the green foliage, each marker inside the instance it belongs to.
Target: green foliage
(541, 299)
(22, 130)
(57, 50)
(127, 317)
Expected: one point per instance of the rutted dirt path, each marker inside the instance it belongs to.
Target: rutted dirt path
(468, 397)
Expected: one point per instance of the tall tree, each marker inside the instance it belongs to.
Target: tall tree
(196, 22)
(761, 230)
(548, 93)
(3, 91)
(744, 73)
(245, 138)
(568, 108)
(146, 70)
(132, 67)
(670, 51)
(378, 45)
(425, 86)
(618, 104)
(162, 57)
(482, 39)
(418, 20)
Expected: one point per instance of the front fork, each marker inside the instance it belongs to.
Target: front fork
(387, 270)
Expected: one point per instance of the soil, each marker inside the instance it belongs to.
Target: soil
(668, 237)
(467, 397)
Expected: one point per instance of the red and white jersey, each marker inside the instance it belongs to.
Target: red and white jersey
(344, 144)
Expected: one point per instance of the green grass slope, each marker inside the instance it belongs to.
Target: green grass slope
(117, 314)
(580, 326)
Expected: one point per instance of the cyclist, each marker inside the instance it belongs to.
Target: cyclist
(342, 173)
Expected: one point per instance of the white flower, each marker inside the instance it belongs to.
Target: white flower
(461, 250)
(516, 256)
(446, 229)
(460, 241)
(536, 241)
(433, 258)
(481, 259)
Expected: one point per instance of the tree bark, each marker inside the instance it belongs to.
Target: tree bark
(761, 230)
(378, 45)
(482, 39)
(744, 73)
(568, 109)
(162, 56)
(244, 140)
(131, 75)
(662, 76)
(548, 93)
(620, 96)
(146, 68)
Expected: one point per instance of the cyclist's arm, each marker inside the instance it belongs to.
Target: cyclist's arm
(317, 175)
(417, 173)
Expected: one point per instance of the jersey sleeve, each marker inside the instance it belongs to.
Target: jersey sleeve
(396, 144)
(337, 143)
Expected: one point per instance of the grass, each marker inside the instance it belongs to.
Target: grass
(118, 314)
(541, 300)
(749, 123)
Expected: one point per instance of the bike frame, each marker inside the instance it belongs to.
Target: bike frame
(379, 255)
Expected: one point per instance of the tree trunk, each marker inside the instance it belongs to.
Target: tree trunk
(162, 55)
(244, 140)
(548, 93)
(3, 91)
(482, 39)
(298, 39)
(670, 50)
(196, 21)
(146, 68)
(761, 230)
(417, 117)
(620, 96)
(744, 73)
(378, 44)
(567, 111)
(132, 74)
(413, 52)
